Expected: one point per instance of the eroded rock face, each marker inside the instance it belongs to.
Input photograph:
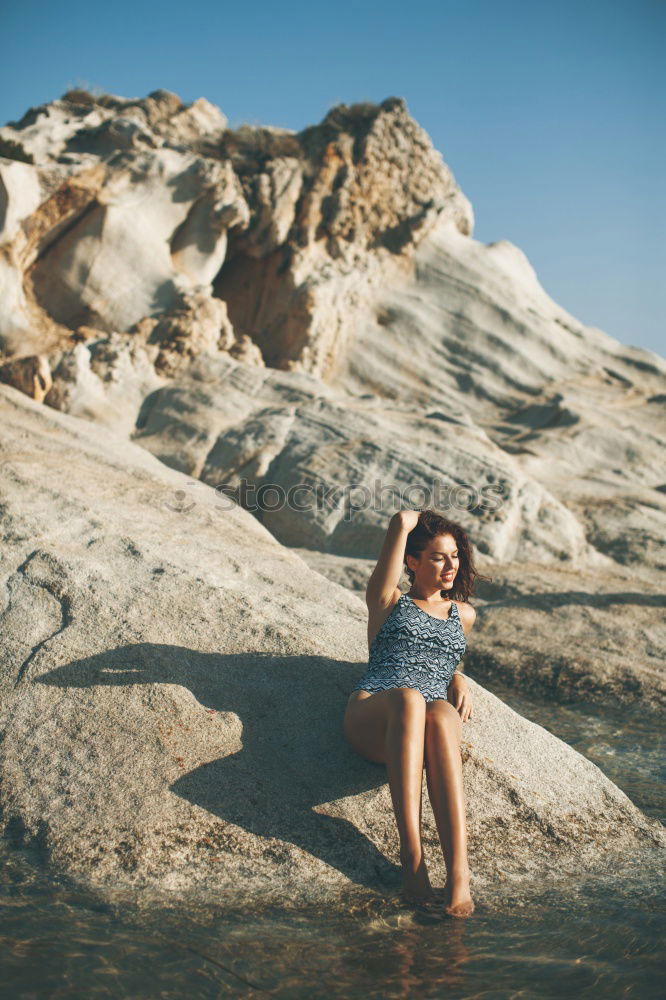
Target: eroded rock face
(32, 375)
(104, 378)
(152, 644)
(333, 466)
(372, 188)
(125, 205)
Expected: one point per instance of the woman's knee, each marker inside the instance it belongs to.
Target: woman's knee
(407, 703)
(443, 721)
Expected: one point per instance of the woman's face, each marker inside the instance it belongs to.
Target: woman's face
(438, 563)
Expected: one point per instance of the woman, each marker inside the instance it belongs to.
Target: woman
(408, 707)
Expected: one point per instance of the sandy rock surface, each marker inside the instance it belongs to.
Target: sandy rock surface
(171, 712)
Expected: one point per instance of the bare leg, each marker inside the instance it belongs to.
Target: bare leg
(443, 730)
(404, 766)
(389, 727)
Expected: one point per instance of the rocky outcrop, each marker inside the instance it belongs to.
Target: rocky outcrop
(371, 188)
(32, 375)
(335, 465)
(304, 320)
(129, 204)
(170, 717)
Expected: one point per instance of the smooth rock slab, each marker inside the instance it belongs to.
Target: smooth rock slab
(173, 683)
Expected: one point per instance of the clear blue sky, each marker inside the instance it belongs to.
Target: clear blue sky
(549, 112)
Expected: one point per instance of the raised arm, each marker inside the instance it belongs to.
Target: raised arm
(386, 574)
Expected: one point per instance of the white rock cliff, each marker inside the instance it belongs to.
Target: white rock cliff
(188, 310)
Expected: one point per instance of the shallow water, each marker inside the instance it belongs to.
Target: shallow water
(595, 936)
(627, 742)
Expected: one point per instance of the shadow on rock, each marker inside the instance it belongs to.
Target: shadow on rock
(294, 755)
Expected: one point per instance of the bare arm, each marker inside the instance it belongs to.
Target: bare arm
(386, 574)
(458, 693)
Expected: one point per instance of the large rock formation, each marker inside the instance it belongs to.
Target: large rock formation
(171, 717)
(114, 208)
(409, 356)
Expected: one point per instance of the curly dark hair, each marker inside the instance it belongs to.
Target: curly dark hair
(429, 525)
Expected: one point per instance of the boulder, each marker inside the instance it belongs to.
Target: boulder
(173, 683)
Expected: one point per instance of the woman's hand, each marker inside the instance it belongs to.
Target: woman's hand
(459, 696)
(408, 518)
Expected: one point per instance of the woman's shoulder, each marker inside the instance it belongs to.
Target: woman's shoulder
(467, 614)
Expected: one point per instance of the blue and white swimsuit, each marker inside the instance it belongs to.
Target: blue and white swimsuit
(415, 649)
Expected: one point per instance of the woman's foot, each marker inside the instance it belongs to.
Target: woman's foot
(416, 886)
(457, 899)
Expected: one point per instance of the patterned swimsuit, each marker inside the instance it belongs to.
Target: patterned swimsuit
(415, 649)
